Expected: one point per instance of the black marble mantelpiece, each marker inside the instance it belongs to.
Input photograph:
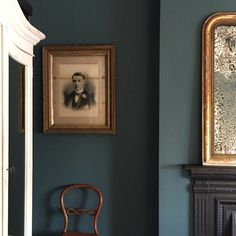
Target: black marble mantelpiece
(214, 199)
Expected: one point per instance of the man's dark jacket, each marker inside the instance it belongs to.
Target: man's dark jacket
(85, 100)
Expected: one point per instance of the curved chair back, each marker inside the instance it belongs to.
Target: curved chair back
(79, 211)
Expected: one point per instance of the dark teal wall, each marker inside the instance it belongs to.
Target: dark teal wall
(123, 166)
(16, 156)
(180, 105)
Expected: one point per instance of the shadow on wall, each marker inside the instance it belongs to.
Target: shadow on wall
(53, 213)
(135, 167)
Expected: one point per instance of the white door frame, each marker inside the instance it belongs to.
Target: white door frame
(17, 39)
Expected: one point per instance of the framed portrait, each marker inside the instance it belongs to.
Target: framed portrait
(219, 90)
(79, 89)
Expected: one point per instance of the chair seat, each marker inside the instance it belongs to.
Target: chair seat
(78, 234)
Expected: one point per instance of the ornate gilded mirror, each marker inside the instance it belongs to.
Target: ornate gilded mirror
(218, 90)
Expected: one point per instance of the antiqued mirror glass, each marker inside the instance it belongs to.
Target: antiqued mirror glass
(225, 90)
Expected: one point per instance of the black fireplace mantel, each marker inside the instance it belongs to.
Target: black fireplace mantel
(214, 199)
(210, 172)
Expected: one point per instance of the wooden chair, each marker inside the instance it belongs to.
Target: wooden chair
(79, 211)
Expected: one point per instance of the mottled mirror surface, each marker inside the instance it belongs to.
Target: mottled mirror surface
(225, 90)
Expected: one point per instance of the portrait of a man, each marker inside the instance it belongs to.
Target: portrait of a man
(79, 98)
(79, 89)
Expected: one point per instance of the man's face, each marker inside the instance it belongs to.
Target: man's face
(78, 82)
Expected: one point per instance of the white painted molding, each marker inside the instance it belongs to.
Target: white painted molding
(1, 128)
(28, 150)
(22, 33)
(4, 130)
(17, 39)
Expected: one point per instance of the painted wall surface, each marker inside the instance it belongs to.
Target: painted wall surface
(16, 156)
(180, 105)
(123, 166)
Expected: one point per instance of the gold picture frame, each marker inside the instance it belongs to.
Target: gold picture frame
(79, 89)
(218, 95)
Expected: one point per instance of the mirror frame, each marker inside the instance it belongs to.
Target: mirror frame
(17, 39)
(209, 157)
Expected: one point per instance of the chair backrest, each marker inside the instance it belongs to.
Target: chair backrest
(80, 211)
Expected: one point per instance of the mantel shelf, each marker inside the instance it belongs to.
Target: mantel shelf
(210, 172)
